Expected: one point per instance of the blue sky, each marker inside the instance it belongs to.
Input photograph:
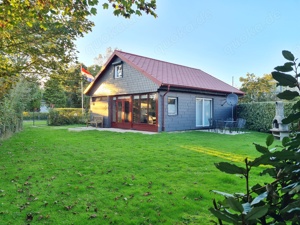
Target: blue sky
(226, 39)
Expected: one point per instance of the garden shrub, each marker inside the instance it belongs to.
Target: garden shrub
(35, 115)
(276, 202)
(65, 116)
(12, 105)
(259, 115)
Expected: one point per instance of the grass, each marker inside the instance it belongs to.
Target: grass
(50, 175)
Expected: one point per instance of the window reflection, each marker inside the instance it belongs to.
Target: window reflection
(144, 108)
(136, 108)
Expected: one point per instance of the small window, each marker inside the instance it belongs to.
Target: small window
(172, 106)
(99, 99)
(118, 73)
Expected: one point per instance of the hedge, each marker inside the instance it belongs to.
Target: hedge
(260, 115)
(35, 115)
(66, 116)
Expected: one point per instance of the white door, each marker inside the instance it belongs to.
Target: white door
(203, 111)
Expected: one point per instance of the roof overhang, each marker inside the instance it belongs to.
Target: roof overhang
(178, 88)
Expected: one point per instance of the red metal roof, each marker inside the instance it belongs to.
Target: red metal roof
(165, 73)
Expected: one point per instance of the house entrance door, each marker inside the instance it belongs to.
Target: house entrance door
(123, 112)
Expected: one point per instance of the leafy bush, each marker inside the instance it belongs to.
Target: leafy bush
(66, 116)
(274, 202)
(12, 105)
(35, 115)
(259, 115)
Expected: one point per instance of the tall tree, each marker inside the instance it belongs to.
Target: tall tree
(34, 97)
(94, 69)
(54, 93)
(101, 59)
(258, 89)
(71, 83)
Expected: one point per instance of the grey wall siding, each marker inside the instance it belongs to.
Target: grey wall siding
(186, 117)
(221, 109)
(132, 82)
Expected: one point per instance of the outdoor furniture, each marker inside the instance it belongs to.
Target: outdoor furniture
(95, 120)
(230, 124)
(212, 124)
(240, 124)
(220, 125)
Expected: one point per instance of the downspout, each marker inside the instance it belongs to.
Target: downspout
(163, 111)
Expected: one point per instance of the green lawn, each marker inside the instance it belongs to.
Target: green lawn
(50, 175)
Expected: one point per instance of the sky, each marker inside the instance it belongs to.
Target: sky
(226, 39)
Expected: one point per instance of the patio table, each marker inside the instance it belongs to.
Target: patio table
(229, 124)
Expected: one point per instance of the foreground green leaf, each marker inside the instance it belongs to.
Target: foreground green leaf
(270, 140)
(291, 118)
(263, 149)
(262, 160)
(223, 193)
(291, 206)
(288, 95)
(285, 141)
(285, 79)
(259, 198)
(235, 204)
(288, 55)
(225, 216)
(230, 168)
(257, 212)
(285, 68)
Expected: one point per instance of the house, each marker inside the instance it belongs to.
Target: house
(136, 92)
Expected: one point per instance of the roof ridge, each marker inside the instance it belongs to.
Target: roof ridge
(159, 60)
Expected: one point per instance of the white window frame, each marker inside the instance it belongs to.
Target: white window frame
(173, 108)
(118, 71)
(201, 122)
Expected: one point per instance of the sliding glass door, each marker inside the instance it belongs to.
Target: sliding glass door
(203, 111)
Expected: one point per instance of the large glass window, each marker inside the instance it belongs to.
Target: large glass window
(203, 111)
(172, 106)
(152, 109)
(126, 111)
(136, 108)
(119, 112)
(144, 108)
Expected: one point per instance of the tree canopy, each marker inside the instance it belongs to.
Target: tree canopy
(258, 89)
(38, 36)
(127, 8)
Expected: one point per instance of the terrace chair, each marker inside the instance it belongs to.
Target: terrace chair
(240, 124)
(220, 125)
(212, 124)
